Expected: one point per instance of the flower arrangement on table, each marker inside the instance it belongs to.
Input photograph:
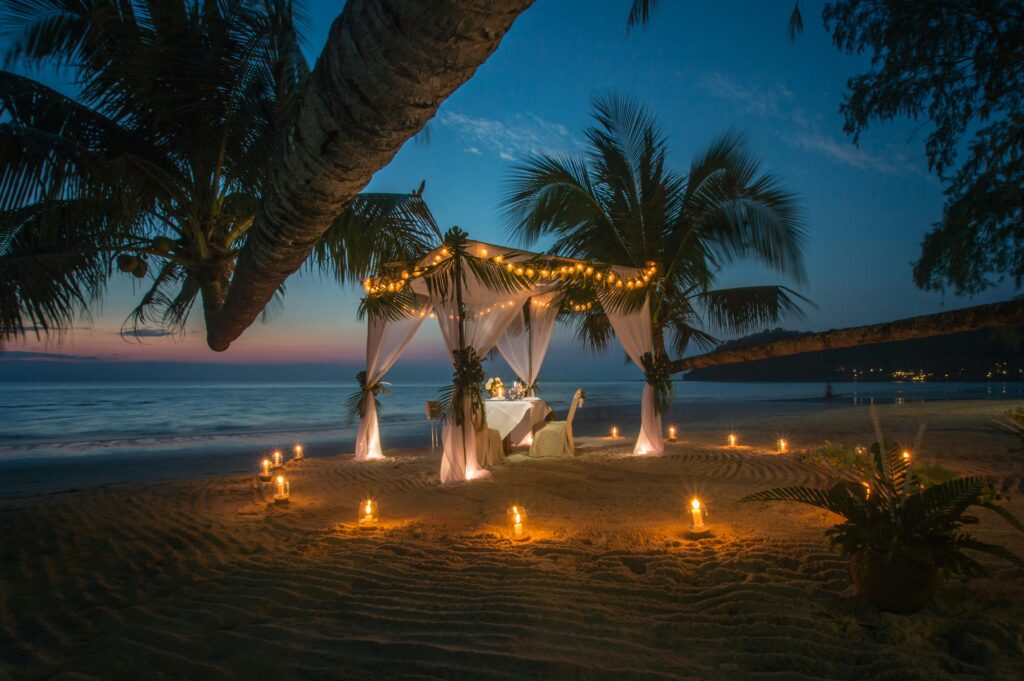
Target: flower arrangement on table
(495, 387)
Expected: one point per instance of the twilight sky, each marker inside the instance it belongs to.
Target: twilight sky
(702, 69)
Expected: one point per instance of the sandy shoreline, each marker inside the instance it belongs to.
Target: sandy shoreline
(207, 579)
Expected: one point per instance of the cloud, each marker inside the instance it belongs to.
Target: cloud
(512, 138)
(146, 333)
(750, 100)
(842, 151)
(800, 132)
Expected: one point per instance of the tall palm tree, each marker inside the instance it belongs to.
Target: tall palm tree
(620, 204)
(158, 163)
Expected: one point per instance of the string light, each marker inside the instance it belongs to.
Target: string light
(579, 270)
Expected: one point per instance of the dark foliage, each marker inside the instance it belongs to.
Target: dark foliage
(961, 66)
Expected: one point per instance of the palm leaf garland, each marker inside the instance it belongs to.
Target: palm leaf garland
(467, 384)
(658, 373)
(894, 513)
(359, 401)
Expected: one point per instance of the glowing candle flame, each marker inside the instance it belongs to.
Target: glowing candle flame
(277, 458)
(732, 440)
(517, 516)
(671, 433)
(615, 431)
(298, 451)
(282, 489)
(906, 455)
(782, 445)
(696, 515)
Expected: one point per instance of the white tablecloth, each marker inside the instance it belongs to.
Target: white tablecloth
(514, 419)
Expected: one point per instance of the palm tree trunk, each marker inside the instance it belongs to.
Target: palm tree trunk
(1009, 313)
(386, 68)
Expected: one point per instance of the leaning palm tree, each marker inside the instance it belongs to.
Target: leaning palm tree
(619, 203)
(157, 165)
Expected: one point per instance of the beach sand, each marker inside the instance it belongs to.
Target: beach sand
(209, 579)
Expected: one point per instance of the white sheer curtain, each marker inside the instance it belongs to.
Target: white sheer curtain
(524, 346)
(634, 333)
(385, 341)
(487, 317)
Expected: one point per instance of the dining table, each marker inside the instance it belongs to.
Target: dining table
(514, 419)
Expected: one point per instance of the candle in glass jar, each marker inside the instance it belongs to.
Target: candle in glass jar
(277, 458)
(782, 445)
(615, 432)
(265, 470)
(517, 520)
(671, 433)
(696, 515)
(732, 439)
(298, 452)
(283, 490)
(367, 514)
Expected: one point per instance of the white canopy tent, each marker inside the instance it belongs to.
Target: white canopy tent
(479, 310)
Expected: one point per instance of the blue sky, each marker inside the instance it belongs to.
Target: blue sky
(703, 69)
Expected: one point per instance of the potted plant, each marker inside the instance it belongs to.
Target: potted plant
(900, 533)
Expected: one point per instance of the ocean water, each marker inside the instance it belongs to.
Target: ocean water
(103, 432)
(81, 419)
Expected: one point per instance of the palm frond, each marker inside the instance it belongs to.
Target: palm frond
(838, 500)
(392, 307)
(746, 308)
(640, 13)
(377, 229)
(618, 203)
(796, 23)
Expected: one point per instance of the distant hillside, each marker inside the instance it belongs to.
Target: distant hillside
(988, 354)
